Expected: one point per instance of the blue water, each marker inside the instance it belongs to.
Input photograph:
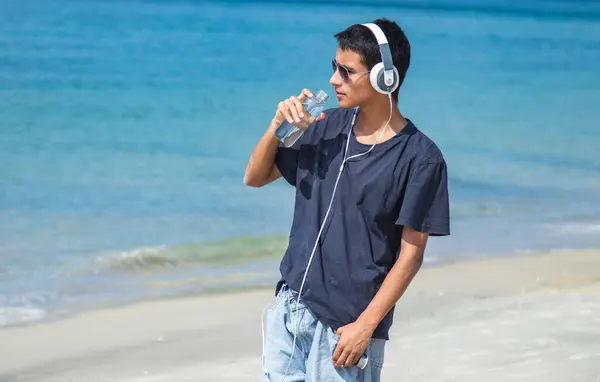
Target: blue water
(125, 128)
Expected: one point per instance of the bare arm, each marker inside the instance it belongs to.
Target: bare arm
(399, 277)
(261, 169)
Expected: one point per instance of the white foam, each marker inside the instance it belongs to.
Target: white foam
(132, 259)
(581, 228)
(20, 315)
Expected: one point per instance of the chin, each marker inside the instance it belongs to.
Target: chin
(346, 103)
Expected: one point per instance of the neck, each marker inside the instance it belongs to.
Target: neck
(373, 118)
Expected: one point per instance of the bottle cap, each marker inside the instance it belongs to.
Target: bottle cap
(321, 96)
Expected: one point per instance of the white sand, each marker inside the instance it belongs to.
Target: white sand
(519, 319)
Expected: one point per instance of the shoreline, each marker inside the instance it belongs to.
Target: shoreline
(62, 313)
(160, 336)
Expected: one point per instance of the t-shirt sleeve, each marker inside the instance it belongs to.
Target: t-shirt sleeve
(426, 206)
(286, 161)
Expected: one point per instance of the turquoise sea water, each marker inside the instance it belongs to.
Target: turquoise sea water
(125, 128)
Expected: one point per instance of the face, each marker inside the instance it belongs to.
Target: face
(350, 80)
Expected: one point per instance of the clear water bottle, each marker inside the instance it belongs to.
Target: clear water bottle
(287, 133)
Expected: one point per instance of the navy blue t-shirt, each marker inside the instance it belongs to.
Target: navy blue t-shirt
(401, 182)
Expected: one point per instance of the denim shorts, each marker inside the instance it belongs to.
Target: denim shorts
(311, 358)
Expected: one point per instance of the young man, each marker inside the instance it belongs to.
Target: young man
(351, 257)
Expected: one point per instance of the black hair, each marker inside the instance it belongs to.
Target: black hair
(359, 39)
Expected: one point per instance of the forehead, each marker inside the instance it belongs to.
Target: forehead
(349, 59)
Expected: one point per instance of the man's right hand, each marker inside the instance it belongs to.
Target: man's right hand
(292, 110)
(261, 167)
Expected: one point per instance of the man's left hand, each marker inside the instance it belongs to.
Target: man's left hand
(354, 339)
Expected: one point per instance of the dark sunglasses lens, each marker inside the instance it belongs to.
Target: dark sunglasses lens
(343, 71)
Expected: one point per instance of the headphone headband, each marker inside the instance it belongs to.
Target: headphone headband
(386, 54)
(384, 47)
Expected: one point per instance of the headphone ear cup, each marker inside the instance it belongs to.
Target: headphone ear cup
(396, 80)
(376, 73)
(376, 78)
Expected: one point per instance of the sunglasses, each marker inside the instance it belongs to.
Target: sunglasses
(344, 72)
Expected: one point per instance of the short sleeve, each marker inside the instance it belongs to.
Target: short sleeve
(286, 161)
(426, 206)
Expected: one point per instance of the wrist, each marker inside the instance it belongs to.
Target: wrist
(271, 131)
(275, 122)
(368, 322)
(273, 126)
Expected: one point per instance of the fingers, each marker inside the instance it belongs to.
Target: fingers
(337, 353)
(339, 348)
(292, 110)
(347, 358)
(305, 93)
(351, 360)
(344, 359)
(284, 112)
(296, 108)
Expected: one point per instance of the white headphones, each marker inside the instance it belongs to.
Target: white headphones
(384, 75)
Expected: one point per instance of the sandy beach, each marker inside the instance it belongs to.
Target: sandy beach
(534, 318)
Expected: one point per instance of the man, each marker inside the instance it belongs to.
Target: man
(350, 258)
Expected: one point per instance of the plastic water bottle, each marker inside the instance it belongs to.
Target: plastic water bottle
(287, 133)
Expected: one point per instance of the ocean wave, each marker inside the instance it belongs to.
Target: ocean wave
(10, 316)
(223, 252)
(582, 228)
(23, 308)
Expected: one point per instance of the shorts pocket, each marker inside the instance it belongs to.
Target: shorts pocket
(278, 298)
(375, 350)
(293, 303)
(333, 335)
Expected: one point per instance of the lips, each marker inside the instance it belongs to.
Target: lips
(339, 95)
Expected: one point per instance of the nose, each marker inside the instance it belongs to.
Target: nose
(336, 79)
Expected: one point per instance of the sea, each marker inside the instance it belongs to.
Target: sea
(126, 126)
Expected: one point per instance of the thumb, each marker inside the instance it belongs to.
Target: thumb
(304, 93)
(320, 117)
(340, 330)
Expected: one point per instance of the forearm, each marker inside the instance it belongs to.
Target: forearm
(261, 162)
(393, 287)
